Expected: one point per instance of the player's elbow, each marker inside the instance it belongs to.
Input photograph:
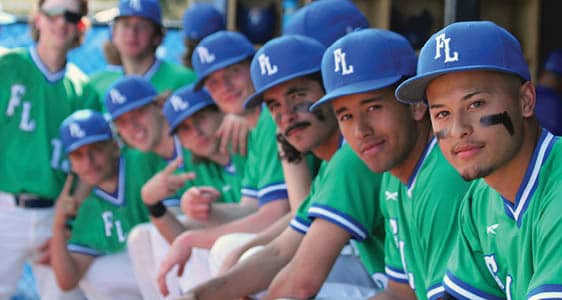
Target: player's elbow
(306, 288)
(67, 284)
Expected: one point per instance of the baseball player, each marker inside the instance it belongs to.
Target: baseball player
(288, 93)
(199, 20)
(137, 32)
(222, 63)
(477, 84)
(418, 183)
(140, 122)
(38, 90)
(105, 218)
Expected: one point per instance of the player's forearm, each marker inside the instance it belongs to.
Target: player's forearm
(298, 180)
(253, 223)
(227, 212)
(395, 291)
(261, 267)
(66, 269)
(168, 225)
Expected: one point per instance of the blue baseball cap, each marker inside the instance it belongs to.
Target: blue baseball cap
(326, 20)
(128, 93)
(84, 127)
(365, 60)
(282, 59)
(463, 46)
(200, 20)
(219, 50)
(148, 9)
(183, 103)
(554, 62)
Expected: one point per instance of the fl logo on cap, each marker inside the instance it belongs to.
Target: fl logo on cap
(135, 5)
(340, 63)
(117, 97)
(265, 65)
(204, 55)
(76, 131)
(441, 42)
(178, 103)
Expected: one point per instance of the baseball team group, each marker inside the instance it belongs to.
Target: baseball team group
(333, 162)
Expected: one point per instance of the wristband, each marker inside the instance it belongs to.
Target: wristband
(156, 210)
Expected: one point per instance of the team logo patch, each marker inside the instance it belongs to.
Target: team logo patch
(265, 65)
(205, 56)
(76, 131)
(178, 103)
(492, 229)
(443, 43)
(340, 64)
(116, 97)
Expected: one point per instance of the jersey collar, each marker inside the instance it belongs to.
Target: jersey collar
(153, 69)
(117, 198)
(414, 176)
(51, 77)
(531, 179)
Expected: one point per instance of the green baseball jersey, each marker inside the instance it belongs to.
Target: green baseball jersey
(227, 179)
(300, 221)
(33, 103)
(263, 177)
(512, 250)
(421, 221)
(164, 76)
(347, 194)
(104, 219)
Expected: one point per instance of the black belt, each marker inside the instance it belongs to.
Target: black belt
(38, 202)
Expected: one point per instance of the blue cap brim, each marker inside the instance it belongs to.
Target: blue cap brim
(133, 105)
(186, 114)
(413, 89)
(223, 64)
(356, 88)
(86, 141)
(256, 98)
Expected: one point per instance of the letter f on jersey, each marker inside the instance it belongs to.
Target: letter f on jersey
(17, 92)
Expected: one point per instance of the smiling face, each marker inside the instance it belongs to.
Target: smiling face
(288, 103)
(95, 163)
(142, 127)
(197, 133)
(478, 117)
(56, 30)
(378, 128)
(230, 87)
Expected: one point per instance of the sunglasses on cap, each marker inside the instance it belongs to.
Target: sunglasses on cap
(69, 16)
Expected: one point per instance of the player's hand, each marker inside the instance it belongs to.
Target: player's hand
(165, 183)
(66, 206)
(234, 131)
(197, 202)
(177, 255)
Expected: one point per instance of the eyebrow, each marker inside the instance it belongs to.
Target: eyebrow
(295, 90)
(464, 98)
(362, 102)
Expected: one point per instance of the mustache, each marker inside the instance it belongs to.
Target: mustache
(298, 125)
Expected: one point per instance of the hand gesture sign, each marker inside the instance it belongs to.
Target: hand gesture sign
(165, 183)
(66, 206)
(197, 202)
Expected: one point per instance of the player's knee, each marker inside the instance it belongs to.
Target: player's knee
(139, 236)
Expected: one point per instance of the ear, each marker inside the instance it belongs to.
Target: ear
(419, 110)
(527, 99)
